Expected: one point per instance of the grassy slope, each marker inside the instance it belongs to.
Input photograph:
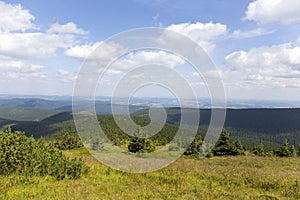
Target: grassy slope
(247, 177)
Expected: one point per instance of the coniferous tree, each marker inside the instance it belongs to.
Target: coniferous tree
(285, 150)
(260, 150)
(293, 151)
(225, 147)
(195, 146)
(141, 145)
(238, 148)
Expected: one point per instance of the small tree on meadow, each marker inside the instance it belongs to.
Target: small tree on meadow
(260, 150)
(195, 146)
(141, 145)
(225, 147)
(285, 150)
(293, 151)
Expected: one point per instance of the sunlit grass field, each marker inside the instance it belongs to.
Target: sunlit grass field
(243, 177)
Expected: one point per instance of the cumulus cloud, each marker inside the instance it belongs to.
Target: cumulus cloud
(282, 55)
(111, 51)
(269, 11)
(91, 52)
(15, 18)
(272, 66)
(203, 33)
(251, 33)
(33, 45)
(17, 42)
(22, 42)
(69, 27)
(17, 65)
(147, 57)
(11, 70)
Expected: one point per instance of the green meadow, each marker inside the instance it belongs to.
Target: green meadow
(228, 177)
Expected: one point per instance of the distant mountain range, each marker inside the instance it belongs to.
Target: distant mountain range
(65, 102)
(102, 107)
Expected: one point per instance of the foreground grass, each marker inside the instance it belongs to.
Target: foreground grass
(245, 177)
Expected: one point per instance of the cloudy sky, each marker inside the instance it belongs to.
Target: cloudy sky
(254, 44)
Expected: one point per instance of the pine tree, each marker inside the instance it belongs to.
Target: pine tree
(260, 150)
(225, 147)
(284, 150)
(239, 149)
(293, 151)
(141, 145)
(195, 146)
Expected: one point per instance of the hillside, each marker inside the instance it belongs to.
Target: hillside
(251, 126)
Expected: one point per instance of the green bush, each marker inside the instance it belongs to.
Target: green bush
(141, 145)
(68, 141)
(25, 156)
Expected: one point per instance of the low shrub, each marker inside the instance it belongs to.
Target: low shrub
(25, 156)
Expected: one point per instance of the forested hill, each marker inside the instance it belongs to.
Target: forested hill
(251, 126)
(258, 120)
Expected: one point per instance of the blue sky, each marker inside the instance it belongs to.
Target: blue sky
(255, 44)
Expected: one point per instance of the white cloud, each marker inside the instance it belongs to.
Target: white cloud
(15, 18)
(17, 43)
(251, 33)
(92, 55)
(284, 55)
(90, 51)
(298, 41)
(63, 72)
(203, 33)
(268, 66)
(81, 51)
(69, 27)
(13, 70)
(33, 45)
(269, 11)
(19, 66)
(133, 59)
(148, 57)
